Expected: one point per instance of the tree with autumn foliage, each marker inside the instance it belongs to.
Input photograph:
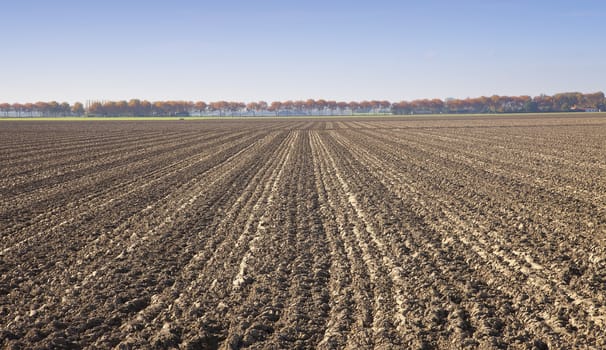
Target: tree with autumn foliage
(562, 102)
(200, 106)
(275, 107)
(78, 109)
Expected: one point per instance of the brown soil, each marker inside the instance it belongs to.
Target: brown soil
(471, 232)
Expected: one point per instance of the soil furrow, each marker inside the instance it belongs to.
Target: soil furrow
(426, 232)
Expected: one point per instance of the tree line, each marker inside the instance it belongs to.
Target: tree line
(564, 102)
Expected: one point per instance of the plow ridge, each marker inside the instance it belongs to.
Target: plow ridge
(384, 233)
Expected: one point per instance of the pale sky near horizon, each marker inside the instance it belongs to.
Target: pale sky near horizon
(68, 50)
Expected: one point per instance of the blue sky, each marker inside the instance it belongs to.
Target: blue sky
(269, 50)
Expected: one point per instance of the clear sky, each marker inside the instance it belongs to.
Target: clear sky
(248, 50)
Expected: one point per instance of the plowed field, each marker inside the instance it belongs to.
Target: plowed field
(471, 232)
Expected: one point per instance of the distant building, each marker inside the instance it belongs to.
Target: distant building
(584, 109)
